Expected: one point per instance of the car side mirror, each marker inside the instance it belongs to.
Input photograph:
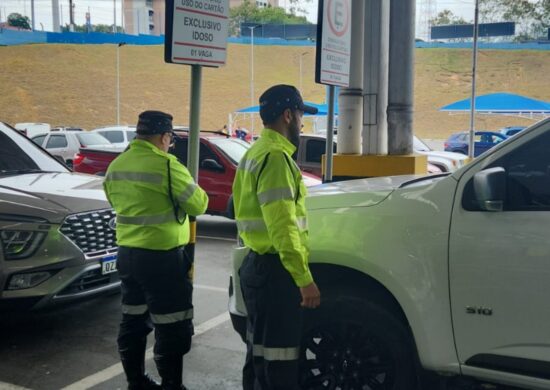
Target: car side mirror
(211, 165)
(490, 188)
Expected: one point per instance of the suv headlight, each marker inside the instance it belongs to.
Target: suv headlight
(20, 244)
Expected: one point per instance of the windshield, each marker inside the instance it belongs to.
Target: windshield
(419, 145)
(231, 147)
(88, 139)
(18, 154)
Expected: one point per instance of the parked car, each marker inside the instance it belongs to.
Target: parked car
(312, 148)
(442, 274)
(57, 237)
(484, 140)
(511, 130)
(219, 156)
(30, 129)
(67, 143)
(119, 136)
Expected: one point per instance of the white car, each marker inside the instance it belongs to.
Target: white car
(65, 144)
(446, 161)
(119, 136)
(444, 274)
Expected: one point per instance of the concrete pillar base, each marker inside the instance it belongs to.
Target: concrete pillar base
(358, 166)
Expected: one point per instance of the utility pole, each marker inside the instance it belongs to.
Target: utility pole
(33, 15)
(55, 16)
(471, 144)
(71, 15)
(114, 16)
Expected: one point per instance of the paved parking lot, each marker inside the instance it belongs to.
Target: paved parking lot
(74, 347)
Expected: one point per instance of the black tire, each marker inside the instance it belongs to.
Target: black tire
(353, 344)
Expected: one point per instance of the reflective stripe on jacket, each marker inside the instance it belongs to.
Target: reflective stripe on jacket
(269, 197)
(136, 185)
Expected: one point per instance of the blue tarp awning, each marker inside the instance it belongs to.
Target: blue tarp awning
(501, 103)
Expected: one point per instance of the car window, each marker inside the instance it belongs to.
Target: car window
(39, 139)
(17, 153)
(113, 135)
(130, 135)
(314, 150)
(463, 137)
(87, 139)
(527, 177)
(233, 148)
(56, 141)
(180, 149)
(205, 153)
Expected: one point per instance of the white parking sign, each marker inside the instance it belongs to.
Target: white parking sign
(196, 32)
(333, 43)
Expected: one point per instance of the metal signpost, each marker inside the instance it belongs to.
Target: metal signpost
(333, 59)
(196, 35)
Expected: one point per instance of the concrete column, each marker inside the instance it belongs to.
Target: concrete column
(401, 81)
(55, 16)
(350, 100)
(375, 77)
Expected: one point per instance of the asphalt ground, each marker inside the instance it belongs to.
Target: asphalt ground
(74, 347)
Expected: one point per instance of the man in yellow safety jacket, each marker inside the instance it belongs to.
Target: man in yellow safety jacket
(271, 218)
(152, 194)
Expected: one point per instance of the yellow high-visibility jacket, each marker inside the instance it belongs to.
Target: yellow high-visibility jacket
(136, 185)
(269, 197)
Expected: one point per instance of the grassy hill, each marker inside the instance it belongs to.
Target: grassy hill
(75, 84)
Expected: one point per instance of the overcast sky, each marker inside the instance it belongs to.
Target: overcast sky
(102, 10)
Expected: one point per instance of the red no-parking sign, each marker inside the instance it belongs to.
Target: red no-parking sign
(333, 42)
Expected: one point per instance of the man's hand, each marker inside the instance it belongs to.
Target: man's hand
(311, 297)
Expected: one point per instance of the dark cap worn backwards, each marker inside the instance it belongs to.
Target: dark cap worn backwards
(154, 122)
(280, 97)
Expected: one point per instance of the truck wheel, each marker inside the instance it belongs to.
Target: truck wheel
(350, 343)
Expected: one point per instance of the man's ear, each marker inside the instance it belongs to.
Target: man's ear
(287, 115)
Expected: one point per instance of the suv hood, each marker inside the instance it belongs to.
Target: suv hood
(51, 196)
(355, 193)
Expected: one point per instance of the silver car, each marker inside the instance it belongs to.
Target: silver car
(65, 144)
(57, 230)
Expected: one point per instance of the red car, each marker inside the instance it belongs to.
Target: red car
(219, 156)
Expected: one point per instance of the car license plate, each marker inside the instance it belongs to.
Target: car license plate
(108, 265)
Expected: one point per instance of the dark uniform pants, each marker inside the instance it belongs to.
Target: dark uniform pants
(156, 293)
(274, 325)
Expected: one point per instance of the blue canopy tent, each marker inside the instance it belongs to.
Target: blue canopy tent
(502, 104)
(255, 110)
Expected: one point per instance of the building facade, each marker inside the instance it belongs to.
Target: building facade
(144, 17)
(259, 3)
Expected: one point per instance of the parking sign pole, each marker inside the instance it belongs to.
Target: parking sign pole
(193, 150)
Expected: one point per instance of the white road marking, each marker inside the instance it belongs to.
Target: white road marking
(9, 386)
(219, 238)
(210, 288)
(116, 369)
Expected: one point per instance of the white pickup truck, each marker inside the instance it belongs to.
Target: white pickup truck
(446, 274)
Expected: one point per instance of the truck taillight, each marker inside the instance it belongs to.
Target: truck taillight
(77, 159)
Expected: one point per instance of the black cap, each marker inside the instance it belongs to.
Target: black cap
(280, 97)
(154, 122)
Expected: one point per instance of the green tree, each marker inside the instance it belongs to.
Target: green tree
(532, 17)
(446, 17)
(17, 20)
(248, 12)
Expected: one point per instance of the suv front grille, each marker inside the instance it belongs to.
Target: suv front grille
(92, 232)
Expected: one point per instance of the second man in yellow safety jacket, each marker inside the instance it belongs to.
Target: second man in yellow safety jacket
(269, 197)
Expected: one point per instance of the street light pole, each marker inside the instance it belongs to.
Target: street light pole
(118, 82)
(471, 143)
(301, 57)
(252, 73)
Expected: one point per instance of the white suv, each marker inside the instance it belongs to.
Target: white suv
(445, 273)
(119, 136)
